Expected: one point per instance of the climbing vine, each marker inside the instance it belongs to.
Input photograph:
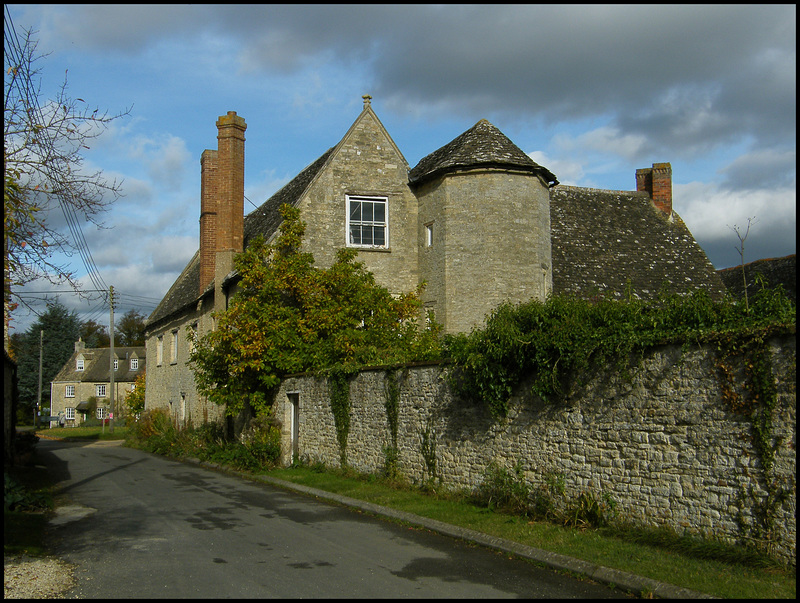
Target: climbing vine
(339, 383)
(757, 402)
(428, 450)
(556, 341)
(392, 405)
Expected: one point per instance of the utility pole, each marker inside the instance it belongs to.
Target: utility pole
(39, 392)
(111, 360)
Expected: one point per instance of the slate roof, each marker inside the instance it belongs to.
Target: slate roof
(97, 365)
(776, 271)
(601, 239)
(264, 220)
(483, 145)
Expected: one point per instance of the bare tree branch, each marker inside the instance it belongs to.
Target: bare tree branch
(44, 144)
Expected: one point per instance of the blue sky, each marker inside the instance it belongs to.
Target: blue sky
(590, 92)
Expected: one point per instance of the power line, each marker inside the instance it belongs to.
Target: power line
(13, 48)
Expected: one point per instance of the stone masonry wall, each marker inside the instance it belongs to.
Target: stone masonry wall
(662, 443)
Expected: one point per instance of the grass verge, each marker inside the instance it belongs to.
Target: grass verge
(97, 432)
(697, 565)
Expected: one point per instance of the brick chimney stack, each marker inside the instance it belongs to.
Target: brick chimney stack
(222, 201)
(208, 217)
(657, 181)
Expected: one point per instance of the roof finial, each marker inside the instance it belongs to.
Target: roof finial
(367, 98)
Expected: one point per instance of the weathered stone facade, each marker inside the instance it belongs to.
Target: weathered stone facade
(478, 222)
(662, 444)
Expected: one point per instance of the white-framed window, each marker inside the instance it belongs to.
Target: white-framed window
(79, 364)
(101, 412)
(100, 390)
(116, 364)
(367, 221)
(69, 391)
(160, 350)
(69, 414)
(134, 364)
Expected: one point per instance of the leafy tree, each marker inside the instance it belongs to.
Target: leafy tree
(61, 329)
(44, 142)
(291, 317)
(134, 401)
(129, 331)
(94, 335)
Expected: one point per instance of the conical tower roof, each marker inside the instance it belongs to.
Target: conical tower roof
(482, 146)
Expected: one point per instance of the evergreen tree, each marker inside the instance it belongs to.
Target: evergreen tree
(94, 335)
(61, 330)
(129, 331)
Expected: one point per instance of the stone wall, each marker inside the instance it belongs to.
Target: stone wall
(169, 382)
(661, 442)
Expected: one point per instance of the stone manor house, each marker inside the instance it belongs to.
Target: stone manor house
(477, 220)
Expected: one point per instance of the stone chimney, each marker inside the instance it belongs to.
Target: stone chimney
(657, 181)
(222, 201)
(80, 346)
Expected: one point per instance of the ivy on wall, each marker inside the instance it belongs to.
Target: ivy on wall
(392, 406)
(556, 340)
(339, 384)
(756, 398)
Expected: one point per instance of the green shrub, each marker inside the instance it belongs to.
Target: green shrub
(556, 340)
(504, 490)
(17, 498)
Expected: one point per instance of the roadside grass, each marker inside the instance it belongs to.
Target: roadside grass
(96, 432)
(709, 567)
(702, 565)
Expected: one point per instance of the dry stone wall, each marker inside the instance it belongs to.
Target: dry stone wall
(660, 442)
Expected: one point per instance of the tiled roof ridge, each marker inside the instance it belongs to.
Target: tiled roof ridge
(576, 188)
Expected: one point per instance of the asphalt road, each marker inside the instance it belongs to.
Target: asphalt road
(141, 526)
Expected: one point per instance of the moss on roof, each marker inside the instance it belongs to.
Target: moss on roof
(602, 240)
(482, 146)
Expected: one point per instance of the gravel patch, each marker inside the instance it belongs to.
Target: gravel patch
(27, 577)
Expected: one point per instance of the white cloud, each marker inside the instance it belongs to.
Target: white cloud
(606, 140)
(567, 171)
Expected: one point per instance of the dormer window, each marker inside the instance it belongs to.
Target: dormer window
(79, 364)
(367, 222)
(134, 364)
(116, 364)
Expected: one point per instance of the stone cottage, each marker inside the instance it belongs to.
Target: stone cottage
(82, 388)
(477, 220)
